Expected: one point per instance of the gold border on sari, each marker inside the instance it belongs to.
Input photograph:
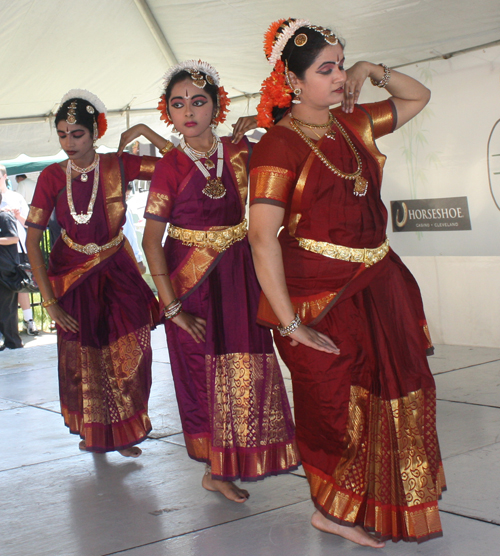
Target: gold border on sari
(159, 204)
(391, 463)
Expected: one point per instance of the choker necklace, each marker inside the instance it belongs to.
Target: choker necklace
(206, 155)
(215, 188)
(85, 171)
(330, 134)
(82, 218)
(360, 183)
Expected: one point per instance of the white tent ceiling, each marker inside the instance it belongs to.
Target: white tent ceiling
(119, 49)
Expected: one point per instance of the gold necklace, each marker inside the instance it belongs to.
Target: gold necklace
(314, 126)
(330, 134)
(200, 154)
(360, 183)
(214, 188)
(85, 171)
(82, 218)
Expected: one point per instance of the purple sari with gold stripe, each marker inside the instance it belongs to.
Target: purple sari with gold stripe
(232, 400)
(105, 368)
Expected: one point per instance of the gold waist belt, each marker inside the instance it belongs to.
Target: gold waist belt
(219, 240)
(91, 248)
(367, 256)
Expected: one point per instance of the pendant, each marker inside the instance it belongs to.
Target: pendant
(81, 218)
(214, 189)
(84, 177)
(209, 164)
(360, 186)
(330, 134)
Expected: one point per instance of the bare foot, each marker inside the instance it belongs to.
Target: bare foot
(82, 446)
(133, 452)
(355, 534)
(227, 488)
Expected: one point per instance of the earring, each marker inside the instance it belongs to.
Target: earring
(96, 132)
(297, 92)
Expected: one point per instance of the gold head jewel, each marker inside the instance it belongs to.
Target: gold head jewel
(71, 116)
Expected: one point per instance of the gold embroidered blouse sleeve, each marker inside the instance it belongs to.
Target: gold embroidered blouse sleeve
(38, 217)
(159, 205)
(383, 116)
(148, 164)
(270, 183)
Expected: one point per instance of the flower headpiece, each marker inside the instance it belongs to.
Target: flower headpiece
(276, 89)
(201, 73)
(101, 124)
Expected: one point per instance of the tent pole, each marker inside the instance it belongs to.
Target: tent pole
(149, 19)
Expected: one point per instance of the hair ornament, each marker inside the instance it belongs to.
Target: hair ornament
(95, 103)
(275, 92)
(277, 40)
(277, 89)
(192, 67)
(300, 40)
(71, 115)
(88, 96)
(196, 69)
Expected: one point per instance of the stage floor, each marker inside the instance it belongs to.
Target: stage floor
(58, 501)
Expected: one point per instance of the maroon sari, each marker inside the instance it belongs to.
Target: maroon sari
(105, 368)
(366, 419)
(232, 400)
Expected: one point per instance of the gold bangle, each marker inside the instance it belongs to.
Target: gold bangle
(167, 148)
(49, 302)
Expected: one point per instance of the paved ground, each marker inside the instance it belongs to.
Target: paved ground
(58, 501)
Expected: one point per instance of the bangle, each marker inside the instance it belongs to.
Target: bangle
(291, 328)
(173, 309)
(167, 148)
(383, 82)
(37, 267)
(49, 302)
(171, 303)
(162, 274)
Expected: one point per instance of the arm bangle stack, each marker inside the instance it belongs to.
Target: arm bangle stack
(383, 82)
(173, 309)
(49, 302)
(291, 328)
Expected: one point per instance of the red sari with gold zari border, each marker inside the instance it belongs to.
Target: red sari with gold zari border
(105, 368)
(366, 419)
(232, 400)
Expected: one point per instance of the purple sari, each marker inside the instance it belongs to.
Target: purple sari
(232, 400)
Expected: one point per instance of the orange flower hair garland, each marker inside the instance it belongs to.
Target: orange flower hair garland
(275, 89)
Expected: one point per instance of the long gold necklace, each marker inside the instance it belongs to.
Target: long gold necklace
(360, 183)
(82, 218)
(85, 171)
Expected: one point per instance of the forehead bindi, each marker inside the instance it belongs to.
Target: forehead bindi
(63, 127)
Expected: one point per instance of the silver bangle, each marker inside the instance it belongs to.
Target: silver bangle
(291, 328)
(173, 309)
(383, 82)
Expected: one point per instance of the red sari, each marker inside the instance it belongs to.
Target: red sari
(366, 419)
(232, 400)
(105, 368)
